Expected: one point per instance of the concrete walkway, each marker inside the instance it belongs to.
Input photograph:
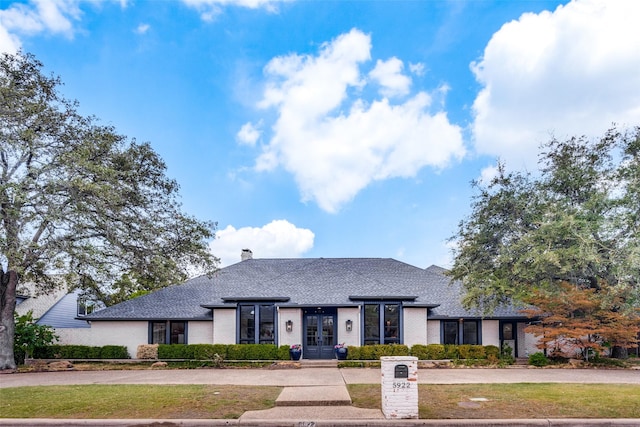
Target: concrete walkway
(316, 397)
(319, 376)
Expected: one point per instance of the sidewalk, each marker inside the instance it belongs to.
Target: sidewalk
(317, 397)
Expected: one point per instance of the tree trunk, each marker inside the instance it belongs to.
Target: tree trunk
(8, 283)
(620, 353)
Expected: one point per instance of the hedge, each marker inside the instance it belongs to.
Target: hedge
(424, 352)
(81, 352)
(226, 351)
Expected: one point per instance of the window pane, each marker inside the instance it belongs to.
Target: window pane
(178, 333)
(470, 332)
(266, 324)
(372, 324)
(247, 324)
(507, 331)
(391, 323)
(450, 332)
(158, 332)
(312, 330)
(327, 331)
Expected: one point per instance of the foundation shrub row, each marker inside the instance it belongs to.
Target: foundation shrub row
(263, 352)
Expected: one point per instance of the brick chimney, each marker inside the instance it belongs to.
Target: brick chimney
(246, 254)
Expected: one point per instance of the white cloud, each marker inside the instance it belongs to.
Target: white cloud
(37, 16)
(573, 71)
(278, 239)
(417, 69)
(143, 28)
(209, 9)
(389, 75)
(334, 142)
(249, 134)
(487, 174)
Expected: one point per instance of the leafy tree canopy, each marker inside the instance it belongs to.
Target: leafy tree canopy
(79, 201)
(577, 222)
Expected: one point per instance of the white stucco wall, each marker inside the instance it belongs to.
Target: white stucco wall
(348, 337)
(433, 332)
(295, 336)
(415, 326)
(200, 332)
(224, 326)
(491, 332)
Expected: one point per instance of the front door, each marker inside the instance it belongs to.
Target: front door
(319, 331)
(509, 336)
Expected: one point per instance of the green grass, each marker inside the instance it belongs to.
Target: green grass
(219, 402)
(516, 400)
(135, 401)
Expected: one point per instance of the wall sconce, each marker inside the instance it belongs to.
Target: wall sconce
(349, 325)
(289, 325)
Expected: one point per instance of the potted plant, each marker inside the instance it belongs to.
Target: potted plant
(295, 351)
(341, 351)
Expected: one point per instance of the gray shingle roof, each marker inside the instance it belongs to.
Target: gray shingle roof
(295, 282)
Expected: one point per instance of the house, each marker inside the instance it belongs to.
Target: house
(61, 309)
(317, 302)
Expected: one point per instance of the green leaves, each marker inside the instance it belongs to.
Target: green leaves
(80, 200)
(575, 222)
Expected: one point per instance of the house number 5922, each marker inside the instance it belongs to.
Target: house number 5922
(402, 384)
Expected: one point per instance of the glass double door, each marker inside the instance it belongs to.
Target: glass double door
(319, 334)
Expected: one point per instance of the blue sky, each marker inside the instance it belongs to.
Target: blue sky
(338, 128)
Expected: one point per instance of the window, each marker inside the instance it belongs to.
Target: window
(167, 332)
(85, 307)
(381, 323)
(256, 324)
(178, 335)
(507, 331)
(158, 333)
(460, 332)
(470, 333)
(450, 332)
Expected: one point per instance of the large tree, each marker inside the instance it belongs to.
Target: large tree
(82, 204)
(576, 221)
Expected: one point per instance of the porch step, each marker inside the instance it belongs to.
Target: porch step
(318, 363)
(314, 396)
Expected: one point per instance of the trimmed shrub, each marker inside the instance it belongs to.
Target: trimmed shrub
(467, 351)
(209, 351)
(538, 359)
(174, 351)
(283, 352)
(114, 352)
(375, 352)
(252, 352)
(492, 351)
(428, 352)
(451, 352)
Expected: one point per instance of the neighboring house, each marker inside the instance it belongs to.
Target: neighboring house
(60, 309)
(317, 302)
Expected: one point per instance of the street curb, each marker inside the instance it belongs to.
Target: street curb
(569, 422)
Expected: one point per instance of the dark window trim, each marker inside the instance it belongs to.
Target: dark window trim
(460, 328)
(257, 322)
(167, 330)
(381, 321)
